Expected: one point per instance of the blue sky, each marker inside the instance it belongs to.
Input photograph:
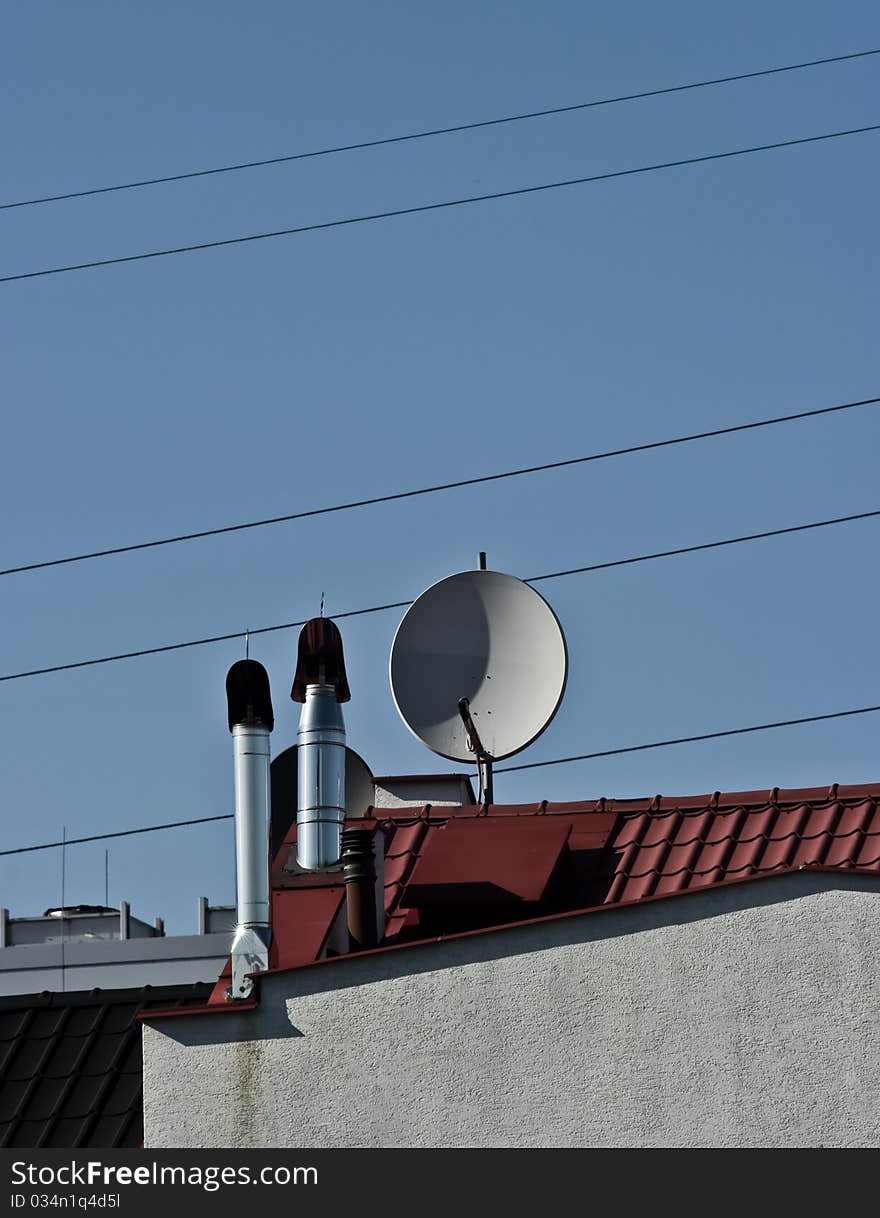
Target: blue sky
(214, 387)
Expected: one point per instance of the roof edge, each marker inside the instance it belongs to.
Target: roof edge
(252, 1003)
(783, 869)
(247, 1004)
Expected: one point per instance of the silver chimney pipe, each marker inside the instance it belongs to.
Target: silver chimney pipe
(250, 721)
(320, 807)
(321, 685)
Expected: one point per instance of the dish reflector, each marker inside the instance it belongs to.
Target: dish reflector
(487, 637)
(360, 791)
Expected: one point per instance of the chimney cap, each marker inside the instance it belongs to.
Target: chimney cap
(248, 696)
(320, 660)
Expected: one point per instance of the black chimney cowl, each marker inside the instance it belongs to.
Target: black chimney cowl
(320, 660)
(248, 697)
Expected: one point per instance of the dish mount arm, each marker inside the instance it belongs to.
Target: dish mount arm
(484, 761)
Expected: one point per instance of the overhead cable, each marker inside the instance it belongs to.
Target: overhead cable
(103, 837)
(663, 744)
(533, 765)
(429, 134)
(437, 487)
(441, 205)
(534, 579)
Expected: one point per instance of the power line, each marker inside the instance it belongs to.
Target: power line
(439, 206)
(103, 837)
(441, 486)
(215, 638)
(662, 744)
(532, 765)
(534, 579)
(706, 545)
(423, 135)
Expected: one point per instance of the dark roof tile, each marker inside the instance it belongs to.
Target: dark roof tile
(74, 1066)
(27, 1133)
(104, 1051)
(63, 1132)
(29, 1058)
(65, 1056)
(7, 1050)
(46, 1024)
(46, 1097)
(123, 1095)
(120, 1017)
(132, 1059)
(12, 1023)
(84, 1020)
(109, 1130)
(133, 1135)
(12, 1096)
(83, 1093)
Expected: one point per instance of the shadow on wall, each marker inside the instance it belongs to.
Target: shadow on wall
(272, 1019)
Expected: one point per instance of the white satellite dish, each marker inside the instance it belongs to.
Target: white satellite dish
(490, 639)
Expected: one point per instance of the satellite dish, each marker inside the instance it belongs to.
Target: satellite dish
(360, 791)
(484, 644)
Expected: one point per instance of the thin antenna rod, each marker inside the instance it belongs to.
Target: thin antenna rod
(106, 879)
(63, 896)
(247, 642)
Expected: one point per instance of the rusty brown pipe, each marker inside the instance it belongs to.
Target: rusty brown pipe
(359, 875)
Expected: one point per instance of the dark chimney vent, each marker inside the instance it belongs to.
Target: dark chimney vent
(320, 660)
(247, 695)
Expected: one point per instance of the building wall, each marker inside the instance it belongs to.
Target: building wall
(439, 790)
(76, 928)
(111, 964)
(746, 1016)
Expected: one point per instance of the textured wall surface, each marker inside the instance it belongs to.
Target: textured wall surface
(746, 1016)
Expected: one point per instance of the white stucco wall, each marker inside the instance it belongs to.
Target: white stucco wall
(747, 1016)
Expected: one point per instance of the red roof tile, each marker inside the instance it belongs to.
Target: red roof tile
(486, 860)
(301, 922)
(451, 869)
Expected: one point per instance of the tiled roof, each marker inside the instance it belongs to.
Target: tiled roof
(452, 870)
(448, 870)
(71, 1065)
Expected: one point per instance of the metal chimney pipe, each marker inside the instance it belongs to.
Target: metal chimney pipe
(250, 745)
(359, 874)
(250, 721)
(320, 780)
(321, 685)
